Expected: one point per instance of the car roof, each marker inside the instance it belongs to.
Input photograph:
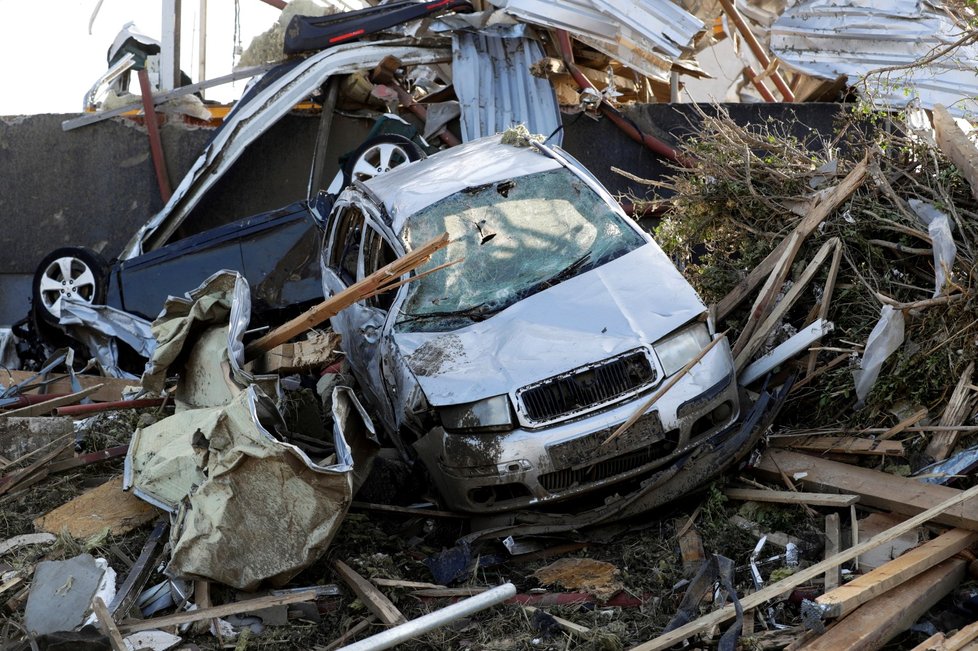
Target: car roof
(407, 189)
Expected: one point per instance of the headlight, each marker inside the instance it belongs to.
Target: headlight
(488, 415)
(678, 348)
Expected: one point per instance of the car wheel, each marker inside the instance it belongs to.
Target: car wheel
(75, 272)
(378, 155)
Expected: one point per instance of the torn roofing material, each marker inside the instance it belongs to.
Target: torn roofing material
(263, 110)
(646, 36)
(495, 88)
(860, 39)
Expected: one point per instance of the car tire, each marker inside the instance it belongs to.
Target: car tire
(68, 271)
(378, 155)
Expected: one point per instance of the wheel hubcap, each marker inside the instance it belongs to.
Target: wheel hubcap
(379, 159)
(66, 278)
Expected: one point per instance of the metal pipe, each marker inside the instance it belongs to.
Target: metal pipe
(415, 627)
(755, 47)
(155, 142)
(613, 114)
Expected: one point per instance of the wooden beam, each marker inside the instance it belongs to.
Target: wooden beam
(789, 497)
(844, 599)
(233, 608)
(956, 146)
(818, 213)
(872, 625)
(107, 625)
(842, 445)
(566, 625)
(779, 588)
(876, 489)
(110, 388)
(104, 507)
(377, 282)
(833, 576)
(23, 476)
(909, 421)
(318, 351)
(962, 638)
(957, 411)
(375, 600)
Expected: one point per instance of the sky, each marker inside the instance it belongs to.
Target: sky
(48, 60)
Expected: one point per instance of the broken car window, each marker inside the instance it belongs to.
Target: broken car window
(515, 238)
(345, 250)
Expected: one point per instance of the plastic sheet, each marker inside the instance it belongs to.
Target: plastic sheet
(939, 228)
(885, 338)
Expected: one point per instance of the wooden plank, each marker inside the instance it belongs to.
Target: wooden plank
(771, 318)
(789, 497)
(872, 625)
(111, 389)
(318, 351)
(25, 475)
(962, 638)
(377, 282)
(691, 549)
(105, 506)
(353, 631)
(823, 307)
(833, 576)
(779, 588)
(956, 146)
(107, 625)
(934, 643)
(843, 445)
(398, 583)
(224, 610)
(957, 411)
(876, 489)
(46, 407)
(564, 624)
(910, 420)
(375, 600)
(24, 540)
(819, 212)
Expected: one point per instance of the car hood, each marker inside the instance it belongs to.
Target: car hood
(626, 303)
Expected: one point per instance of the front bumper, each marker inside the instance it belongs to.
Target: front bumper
(494, 473)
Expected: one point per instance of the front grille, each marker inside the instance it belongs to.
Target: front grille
(587, 386)
(560, 480)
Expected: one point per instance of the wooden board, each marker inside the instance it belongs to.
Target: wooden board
(790, 497)
(375, 600)
(105, 506)
(46, 407)
(317, 351)
(111, 387)
(873, 624)
(780, 588)
(956, 146)
(846, 598)
(843, 445)
(233, 608)
(875, 488)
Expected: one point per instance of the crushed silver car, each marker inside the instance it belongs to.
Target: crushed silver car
(506, 372)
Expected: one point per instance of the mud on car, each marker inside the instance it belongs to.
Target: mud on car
(506, 373)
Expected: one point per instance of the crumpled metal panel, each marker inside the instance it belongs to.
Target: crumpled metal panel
(495, 88)
(452, 170)
(646, 35)
(98, 326)
(622, 305)
(249, 506)
(830, 38)
(263, 110)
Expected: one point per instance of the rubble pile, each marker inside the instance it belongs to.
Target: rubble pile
(505, 418)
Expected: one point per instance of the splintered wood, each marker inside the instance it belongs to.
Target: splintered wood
(382, 280)
(104, 507)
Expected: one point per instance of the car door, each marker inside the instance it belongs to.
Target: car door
(355, 249)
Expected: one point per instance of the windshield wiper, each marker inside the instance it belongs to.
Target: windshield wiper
(567, 272)
(479, 312)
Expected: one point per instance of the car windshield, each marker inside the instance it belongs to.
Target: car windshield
(514, 238)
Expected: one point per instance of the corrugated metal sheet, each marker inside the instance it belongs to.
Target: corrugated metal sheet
(495, 88)
(829, 38)
(646, 35)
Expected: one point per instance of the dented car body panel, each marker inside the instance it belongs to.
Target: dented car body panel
(506, 373)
